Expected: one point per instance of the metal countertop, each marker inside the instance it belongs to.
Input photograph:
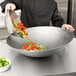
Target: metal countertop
(61, 62)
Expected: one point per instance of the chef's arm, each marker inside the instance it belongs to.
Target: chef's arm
(57, 19)
(18, 4)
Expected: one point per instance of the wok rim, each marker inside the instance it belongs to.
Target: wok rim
(46, 49)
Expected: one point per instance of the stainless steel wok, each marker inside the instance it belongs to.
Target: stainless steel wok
(53, 38)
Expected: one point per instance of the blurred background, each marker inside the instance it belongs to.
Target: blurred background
(67, 9)
(63, 7)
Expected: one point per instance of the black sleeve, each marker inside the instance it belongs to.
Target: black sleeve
(57, 19)
(18, 4)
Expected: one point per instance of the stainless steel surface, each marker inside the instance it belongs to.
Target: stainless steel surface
(52, 37)
(63, 7)
(73, 12)
(73, 19)
(61, 62)
(73, 22)
(65, 74)
(3, 33)
(2, 24)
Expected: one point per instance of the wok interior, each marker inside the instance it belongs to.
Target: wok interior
(50, 37)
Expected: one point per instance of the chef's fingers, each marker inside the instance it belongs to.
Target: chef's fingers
(13, 7)
(68, 27)
(7, 8)
(65, 27)
(72, 30)
(10, 6)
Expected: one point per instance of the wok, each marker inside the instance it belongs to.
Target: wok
(54, 38)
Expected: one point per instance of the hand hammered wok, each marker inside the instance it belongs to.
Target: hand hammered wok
(53, 38)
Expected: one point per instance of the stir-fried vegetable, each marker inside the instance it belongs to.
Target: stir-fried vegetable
(22, 32)
(3, 62)
(20, 29)
(33, 46)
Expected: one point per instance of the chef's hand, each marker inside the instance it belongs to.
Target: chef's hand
(10, 6)
(68, 27)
